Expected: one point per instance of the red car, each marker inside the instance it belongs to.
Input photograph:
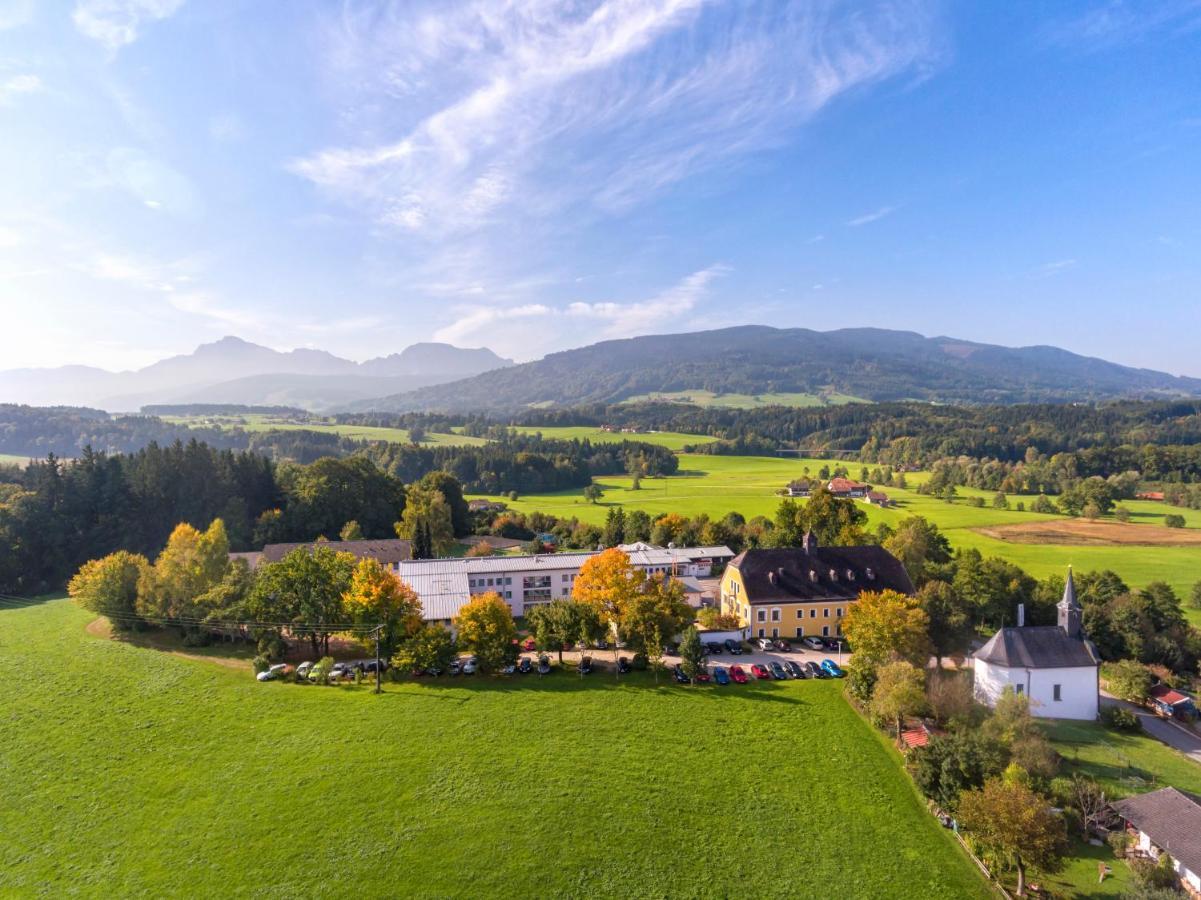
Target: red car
(738, 674)
(759, 672)
(702, 677)
(529, 644)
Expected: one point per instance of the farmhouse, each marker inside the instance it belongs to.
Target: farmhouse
(846, 488)
(389, 551)
(799, 591)
(1056, 666)
(877, 498)
(802, 487)
(1168, 821)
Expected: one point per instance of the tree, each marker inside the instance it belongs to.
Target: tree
(832, 520)
(351, 532)
(377, 597)
(416, 434)
(427, 520)
(452, 492)
(593, 493)
(692, 653)
(1016, 825)
(900, 691)
(654, 652)
(886, 625)
(1090, 803)
(950, 622)
(109, 587)
(950, 764)
(555, 624)
(190, 564)
(615, 527)
(304, 588)
(714, 618)
(918, 544)
(608, 582)
(658, 608)
(485, 627)
(326, 494)
(432, 647)
(1195, 596)
(1129, 680)
(1000, 501)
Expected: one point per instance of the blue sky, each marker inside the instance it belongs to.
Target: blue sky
(532, 175)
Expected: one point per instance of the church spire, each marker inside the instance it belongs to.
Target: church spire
(1070, 613)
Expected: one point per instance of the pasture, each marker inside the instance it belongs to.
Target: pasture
(746, 401)
(133, 771)
(356, 432)
(673, 440)
(8, 459)
(716, 485)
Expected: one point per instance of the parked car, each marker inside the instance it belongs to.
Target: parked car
(509, 669)
(367, 666)
(623, 665)
(713, 648)
(456, 668)
(702, 677)
(793, 669)
(543, 665)
(764, 644)
(738, 674)
(733, 647)
(671, 649)
(759, 672)
(585, 665)
(782, 646)
(342, 670)
(529, 644)
(433, 671)
(525, 666)
(279, 670)
(302, 670)
(677, 672)
(471, 666)
(832, 668)
(602, 645)
(813, 642)
(777, 671)
(721, 676)
(816, 671)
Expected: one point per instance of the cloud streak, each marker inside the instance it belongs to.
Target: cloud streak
(528, 108)
(117, 23)
(18, 85)
(873, 216)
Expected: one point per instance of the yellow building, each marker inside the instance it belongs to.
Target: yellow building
(794, 592)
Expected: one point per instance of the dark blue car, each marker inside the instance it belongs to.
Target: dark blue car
(721, 676)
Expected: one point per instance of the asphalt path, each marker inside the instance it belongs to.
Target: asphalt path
(1168, 731)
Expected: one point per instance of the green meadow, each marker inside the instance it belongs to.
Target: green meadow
(673, 440)
(131, 771)
(746, 401)
(8, 459)
(357, 432)
(716, 485)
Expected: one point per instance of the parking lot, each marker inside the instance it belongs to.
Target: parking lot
(749, 657)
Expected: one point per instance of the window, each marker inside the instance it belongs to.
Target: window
(1056, 692)
(800, 631)
(839, 611)
(826, 613)
(1019, 689)
(825, 631)
(761, 634)
(762, 616)
(775, 632)
(813, 613)
(529, 582)
(775, 615)
(800, 614)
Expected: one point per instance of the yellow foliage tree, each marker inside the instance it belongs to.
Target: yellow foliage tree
(609, 583)
(109, 586)
(486, 628)
(378, 597)
(192, 563)
(887, 625)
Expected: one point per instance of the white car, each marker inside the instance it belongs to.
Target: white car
(765, 644)
(302, 670)
(470, 666)
(276, 671)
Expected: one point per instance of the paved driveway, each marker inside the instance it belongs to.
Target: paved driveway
(1169, 732)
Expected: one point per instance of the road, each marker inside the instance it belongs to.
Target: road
(1171, 733)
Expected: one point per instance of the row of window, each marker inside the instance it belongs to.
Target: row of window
(1056, 691)
(800, 632)
(777, 613)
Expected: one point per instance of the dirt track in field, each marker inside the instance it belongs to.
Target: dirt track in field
(1082, 532)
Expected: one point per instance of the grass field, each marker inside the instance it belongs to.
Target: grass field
(747, 401)
(358, 432)
(673, 440)
(1123, 763)
(131, 771)
(7, 459)
(717, 485)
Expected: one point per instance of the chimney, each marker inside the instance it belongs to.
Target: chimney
(1021, 614)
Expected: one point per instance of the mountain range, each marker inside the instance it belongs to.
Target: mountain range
(232, 370)
(869, 363)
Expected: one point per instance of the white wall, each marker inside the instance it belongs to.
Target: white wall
(1078, 689)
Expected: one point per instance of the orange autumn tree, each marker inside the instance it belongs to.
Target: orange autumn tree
(627, 600)
(377, 597)
(485, 628)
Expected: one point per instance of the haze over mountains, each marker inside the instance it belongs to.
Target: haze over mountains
(870, 363)
(232, 370)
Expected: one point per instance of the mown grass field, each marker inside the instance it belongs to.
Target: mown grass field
(1122, 762)
(717, 485)
(673, 440)
(134, 772)
(747, 401)
(358, 432)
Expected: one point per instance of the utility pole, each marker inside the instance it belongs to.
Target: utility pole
(376, 631)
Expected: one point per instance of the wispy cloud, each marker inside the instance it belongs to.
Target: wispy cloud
(1055, 267)
(529, 108)
(17, 85)
(873, 216)
(117, 23)
(1117, 22)
(14, 13)
(582, 321)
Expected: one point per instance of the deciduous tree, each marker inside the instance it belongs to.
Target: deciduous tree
(900, 692)
(432, 647)
(886, 625)
(485, 627)
(692, 653)
(377, 597)
(305, 588)
(109, 587)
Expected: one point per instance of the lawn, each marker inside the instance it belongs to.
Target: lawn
(358, 432)
(1123, 763)
(717, 485)
(673, 440)
(131, 771)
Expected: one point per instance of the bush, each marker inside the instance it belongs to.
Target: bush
(1119, 842)
(260, 664)
(1120, 719)
(1173, 520)
(322, 669)
(272, 646)
(1122, 514)
(640, 662)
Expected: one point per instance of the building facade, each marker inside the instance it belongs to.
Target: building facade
(797, 592)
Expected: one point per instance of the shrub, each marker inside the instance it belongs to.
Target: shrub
(272, 646)
(640, 662)
(260, 664)
(1021, 507)
(513, 495)
(322, 669)
(1119, 842)
(1120, 719)
(1173, 520)
(1122, 514)
(1128, 679)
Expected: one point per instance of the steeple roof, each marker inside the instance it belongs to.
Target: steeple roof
(1069, 593)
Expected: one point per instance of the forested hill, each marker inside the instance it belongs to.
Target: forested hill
(873, 364)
